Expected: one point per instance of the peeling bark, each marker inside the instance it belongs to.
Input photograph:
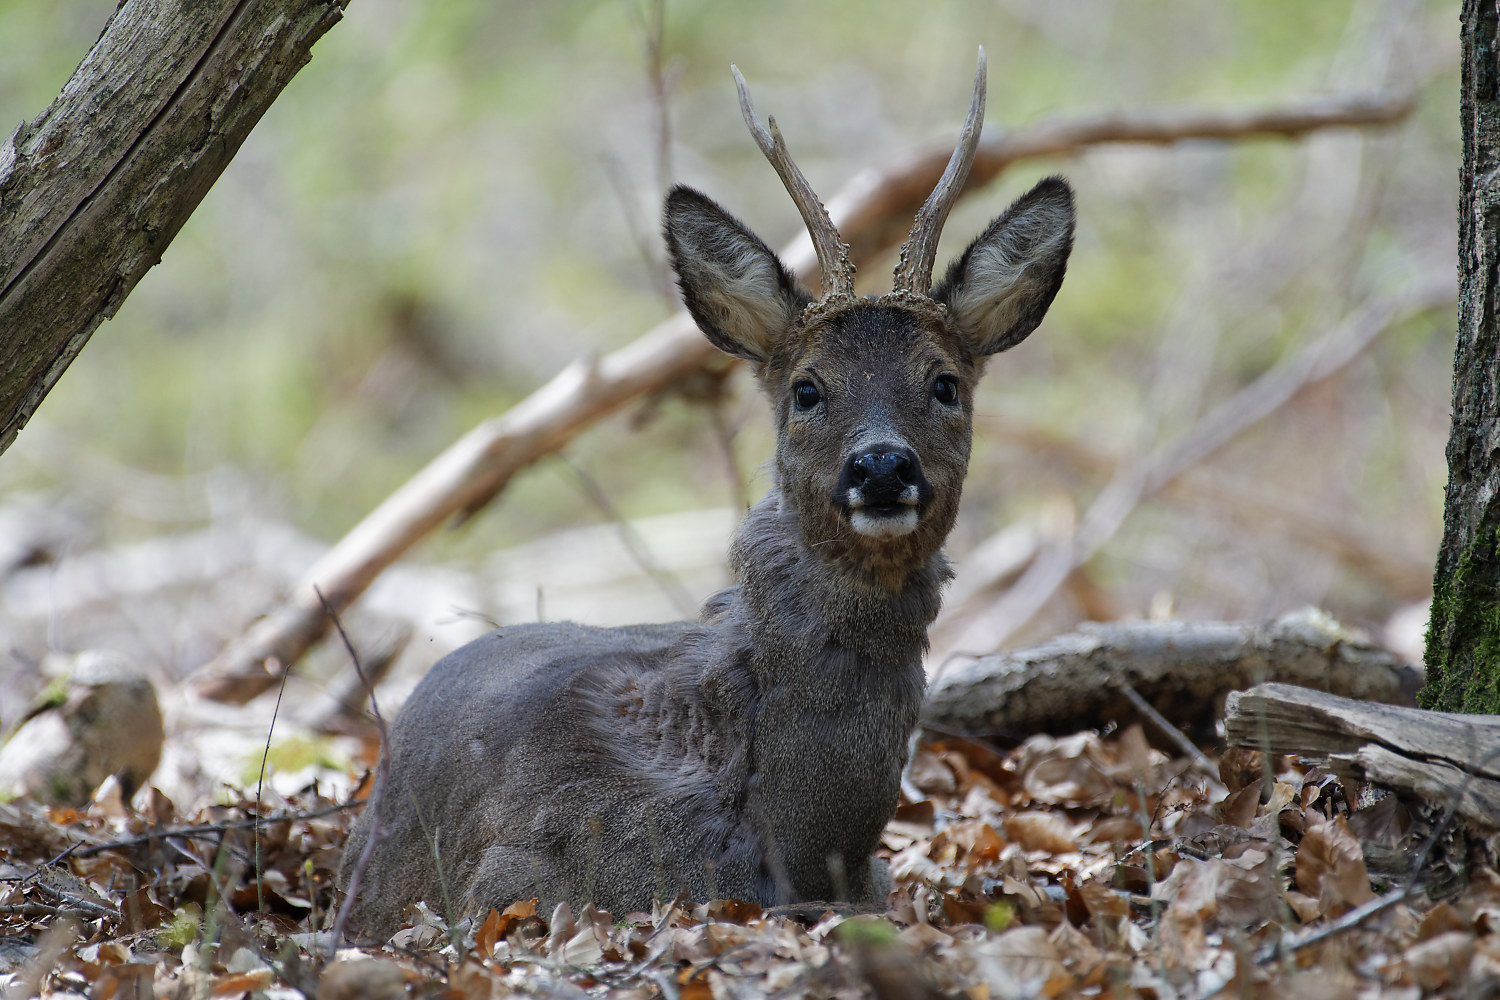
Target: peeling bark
(94, 188)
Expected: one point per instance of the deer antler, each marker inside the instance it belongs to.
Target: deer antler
(837, 271)
(914, 269)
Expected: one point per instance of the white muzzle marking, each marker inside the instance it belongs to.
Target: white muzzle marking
(886, 524)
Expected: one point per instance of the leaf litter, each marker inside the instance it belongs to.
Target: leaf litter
(1082, 866)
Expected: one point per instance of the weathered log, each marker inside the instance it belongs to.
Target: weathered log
(94, 188)
(1442, 757)
(1183, 669)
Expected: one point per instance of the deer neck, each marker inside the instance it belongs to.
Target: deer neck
(802, 608)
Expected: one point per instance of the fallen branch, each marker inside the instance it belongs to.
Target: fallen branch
(873, 212)
(974, 624)
(1183, 669)
(1440, 757)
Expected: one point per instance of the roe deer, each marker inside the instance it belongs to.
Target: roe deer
(755, 753)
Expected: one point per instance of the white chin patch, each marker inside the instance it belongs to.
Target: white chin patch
(886, 526)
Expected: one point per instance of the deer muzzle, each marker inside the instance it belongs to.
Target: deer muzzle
(882, 491)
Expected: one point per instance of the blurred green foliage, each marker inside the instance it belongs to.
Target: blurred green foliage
(455, 199)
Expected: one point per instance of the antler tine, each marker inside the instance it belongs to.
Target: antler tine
(914, 269)
(836, 270)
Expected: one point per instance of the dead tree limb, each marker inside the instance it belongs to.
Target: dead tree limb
(1439, 757)
(873, 213)
(94, 188)
(1183, 669)
(973, 624)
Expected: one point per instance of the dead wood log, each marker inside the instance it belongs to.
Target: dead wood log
(1183, 669)
(1442, 757)
(94, 188)
(872, 212)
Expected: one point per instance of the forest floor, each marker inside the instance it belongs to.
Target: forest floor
(1087, 866)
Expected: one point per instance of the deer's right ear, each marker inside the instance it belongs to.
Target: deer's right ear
(735, 287)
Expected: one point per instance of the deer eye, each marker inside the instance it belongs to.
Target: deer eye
(806, 395)
(945, 390)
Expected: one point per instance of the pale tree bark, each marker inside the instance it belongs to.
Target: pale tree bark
(1463, 639)
(94, 188)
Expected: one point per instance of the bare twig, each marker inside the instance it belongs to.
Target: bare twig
(206, 830)
(383, 769)
(57, 860)
(260, 894)
(1188, 749)
(872, 212)
(73, 902)
(635, 545)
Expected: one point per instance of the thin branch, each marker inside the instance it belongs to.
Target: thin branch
(207, 830)
(1164, 465)
(372, 808)
(872, 212)
(635, 545)
(260, 894)
(73, 902)
(43, 910)
(1184, 745)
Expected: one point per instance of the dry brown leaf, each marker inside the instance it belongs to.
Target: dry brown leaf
(1239, 808)
(362, 979)
(1184, 940)
(1041, 831)
(1331, 866)
(1237, 893)
(969, 842)
(931, 774)
(1247, 890)
(1128, 758)
(1304, 906)
(1102, 901)
(488, 934)
(1062, 772)
(1442, 917)
(1239, 768)
(1019, 964)
(1116, 831)
(1440, 961)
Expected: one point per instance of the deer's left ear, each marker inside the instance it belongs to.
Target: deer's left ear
(734, 286)
(999, 289)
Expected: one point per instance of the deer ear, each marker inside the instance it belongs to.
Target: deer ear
(738, 292)
(999, 289)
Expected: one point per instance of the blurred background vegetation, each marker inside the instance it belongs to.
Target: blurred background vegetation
(456, 199)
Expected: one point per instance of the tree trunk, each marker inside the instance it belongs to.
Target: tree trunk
(1463, 639)
(94, 188)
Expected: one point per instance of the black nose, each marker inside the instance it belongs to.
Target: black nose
(884, 468)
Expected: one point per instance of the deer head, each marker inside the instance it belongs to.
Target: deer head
(873, 396)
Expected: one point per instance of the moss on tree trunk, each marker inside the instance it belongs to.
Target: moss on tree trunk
(1463, 639)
